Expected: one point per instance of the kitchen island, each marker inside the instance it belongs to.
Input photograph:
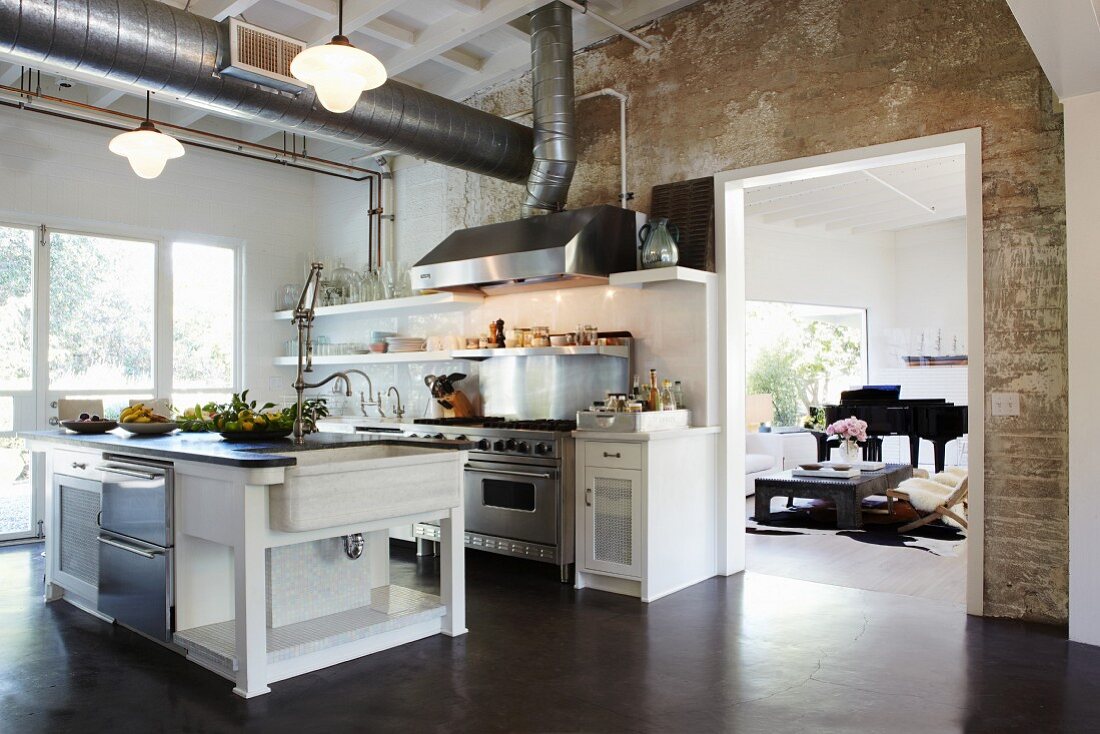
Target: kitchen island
(275, 556)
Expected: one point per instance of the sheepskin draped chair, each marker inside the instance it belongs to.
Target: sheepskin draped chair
(938, 498)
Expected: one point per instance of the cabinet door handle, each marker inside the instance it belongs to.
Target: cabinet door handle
(615, 455)
(588, 496)
(78, 465)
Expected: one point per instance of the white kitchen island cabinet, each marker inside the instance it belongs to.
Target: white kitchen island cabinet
(646, 510)
(264, 581)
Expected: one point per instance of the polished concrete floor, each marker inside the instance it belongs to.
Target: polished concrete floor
(748, 653)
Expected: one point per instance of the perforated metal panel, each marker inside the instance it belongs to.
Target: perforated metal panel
(79, 554)
(613, 535)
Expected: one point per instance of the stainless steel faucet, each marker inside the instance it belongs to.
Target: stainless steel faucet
(399, 410)
(304, 313)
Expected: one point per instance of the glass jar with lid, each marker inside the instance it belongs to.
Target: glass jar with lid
(346, 283)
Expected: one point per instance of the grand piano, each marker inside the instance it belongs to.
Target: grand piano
(931, 419)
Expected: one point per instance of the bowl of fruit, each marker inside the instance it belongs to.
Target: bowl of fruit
(90, 423)
(243, 420)
(142, 420)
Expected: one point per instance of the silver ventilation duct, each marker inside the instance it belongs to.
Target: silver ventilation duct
(164, 49)
(552, 92)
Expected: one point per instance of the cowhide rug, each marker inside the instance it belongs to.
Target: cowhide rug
(818, 517)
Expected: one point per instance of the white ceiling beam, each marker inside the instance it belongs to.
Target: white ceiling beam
(326, 10)
(445, 36)
(908, 197)
(466, 7)
(499, 67)
(906, 222)
(186, 117)
(459, 60)
(106, 97)
(889, 214)
(357, 14)
(387, 32)
(220, 9)
(10, 75)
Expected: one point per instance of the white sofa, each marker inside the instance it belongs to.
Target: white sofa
(771, 453)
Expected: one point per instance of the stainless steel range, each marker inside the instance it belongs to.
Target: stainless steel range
(518, 487)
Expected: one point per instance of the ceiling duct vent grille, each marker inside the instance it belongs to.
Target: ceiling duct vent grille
(259, 56)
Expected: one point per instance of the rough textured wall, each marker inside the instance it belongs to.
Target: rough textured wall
(734, 83)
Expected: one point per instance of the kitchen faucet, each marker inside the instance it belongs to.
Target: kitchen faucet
(304, 313)
(399, 411)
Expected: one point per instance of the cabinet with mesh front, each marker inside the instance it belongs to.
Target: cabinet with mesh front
(612, 509)
(77, 502)
(646, 510)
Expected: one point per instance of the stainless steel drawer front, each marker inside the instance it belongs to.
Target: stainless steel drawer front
(135, 585)
(137, 501)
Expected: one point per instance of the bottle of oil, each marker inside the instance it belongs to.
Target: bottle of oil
(653, 400)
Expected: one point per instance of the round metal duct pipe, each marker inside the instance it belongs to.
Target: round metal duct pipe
(164, 49)
(553, 109)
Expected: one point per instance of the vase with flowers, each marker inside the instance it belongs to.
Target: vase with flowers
(851, 432)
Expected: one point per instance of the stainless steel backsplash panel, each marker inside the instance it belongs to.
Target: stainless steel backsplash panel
(549, 386)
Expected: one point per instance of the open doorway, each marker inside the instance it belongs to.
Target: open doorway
(853, 287)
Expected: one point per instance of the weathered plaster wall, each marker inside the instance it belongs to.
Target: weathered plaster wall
(733, 83)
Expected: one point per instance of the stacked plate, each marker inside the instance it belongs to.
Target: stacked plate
(405, 344)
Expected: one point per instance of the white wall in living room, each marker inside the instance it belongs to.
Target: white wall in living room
(790, 266)
(930, 283)
(60, 173)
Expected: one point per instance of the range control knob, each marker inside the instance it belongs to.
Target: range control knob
(498, 445)
(510, 444)
(542, 448)
(483, 445)
(438, 435)
(460, 437)
(522, 447)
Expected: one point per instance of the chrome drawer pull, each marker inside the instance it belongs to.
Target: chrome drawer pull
(588, 496)
(78, 465)
(129, 548)
(127, 472)
(612, 456)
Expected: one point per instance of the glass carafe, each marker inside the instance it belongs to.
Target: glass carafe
(659, 239)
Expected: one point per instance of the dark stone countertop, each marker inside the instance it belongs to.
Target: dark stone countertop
(210, 448)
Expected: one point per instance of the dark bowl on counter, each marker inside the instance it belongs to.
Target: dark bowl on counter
(90, 426)
(255, 436)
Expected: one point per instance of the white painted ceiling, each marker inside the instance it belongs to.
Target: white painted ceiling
(884, 199)
(1065, 36)
(449, 47)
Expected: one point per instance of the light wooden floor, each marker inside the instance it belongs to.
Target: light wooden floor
(842, 561)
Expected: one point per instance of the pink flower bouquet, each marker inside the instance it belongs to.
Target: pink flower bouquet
(848, 429)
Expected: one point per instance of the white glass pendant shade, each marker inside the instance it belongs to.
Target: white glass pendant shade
(338, 72)
(147, 149)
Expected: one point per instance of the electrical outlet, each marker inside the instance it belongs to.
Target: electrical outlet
(1005, 403)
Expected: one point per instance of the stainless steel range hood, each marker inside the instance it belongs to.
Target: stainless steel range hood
(577, 247)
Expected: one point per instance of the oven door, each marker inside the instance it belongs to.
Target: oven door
(517, 501)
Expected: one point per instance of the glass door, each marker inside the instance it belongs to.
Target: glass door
(101, 321)
(20, 505)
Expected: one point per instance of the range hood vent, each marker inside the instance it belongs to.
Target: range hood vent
(578, 247)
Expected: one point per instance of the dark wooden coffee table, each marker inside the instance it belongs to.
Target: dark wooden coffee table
(848, 494)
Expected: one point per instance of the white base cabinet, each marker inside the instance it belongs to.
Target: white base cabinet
(646, 511)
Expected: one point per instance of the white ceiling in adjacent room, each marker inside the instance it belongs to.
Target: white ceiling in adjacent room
(879, 200)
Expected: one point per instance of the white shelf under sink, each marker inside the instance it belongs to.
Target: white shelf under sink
(410, 306)
(641, 278)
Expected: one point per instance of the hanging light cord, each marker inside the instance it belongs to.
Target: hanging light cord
(340, 16)
(148, 96)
